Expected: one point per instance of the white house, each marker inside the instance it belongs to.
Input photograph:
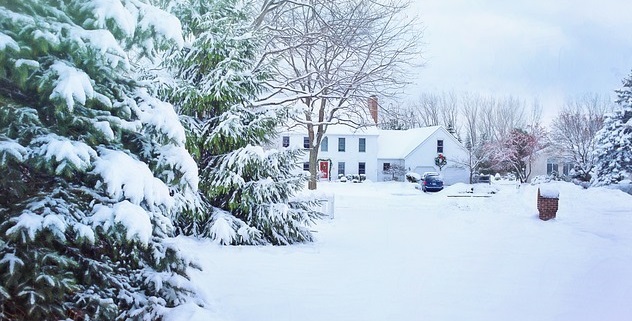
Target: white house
(370, 151)
(344, 150)
(548, 161)
(416, 150)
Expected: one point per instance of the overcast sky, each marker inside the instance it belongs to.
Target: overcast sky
(548, 49)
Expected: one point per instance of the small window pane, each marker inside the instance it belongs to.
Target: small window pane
(440, 146)
(566, 169)
(362, 145)
(306, 166)
(361, 168)
(286, 141)
(305, 142)
(341, 168)
(324, 145)
(341, 144)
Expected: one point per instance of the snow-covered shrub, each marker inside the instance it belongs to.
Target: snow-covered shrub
(546, 178)
(395, 172)
(540, 179)
(581, 183)
(413, 177)
(624, 186)
(497, 177)
(93, 165)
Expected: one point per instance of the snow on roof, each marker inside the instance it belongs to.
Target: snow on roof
(397, 144)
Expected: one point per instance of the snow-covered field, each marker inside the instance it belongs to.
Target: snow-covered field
(395, 253)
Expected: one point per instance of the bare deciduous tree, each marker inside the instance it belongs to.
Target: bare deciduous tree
(517, 151)
(487, 121)
(429, 110)
(450, 112)
(574, 129)
(471, 108)
(332, 56)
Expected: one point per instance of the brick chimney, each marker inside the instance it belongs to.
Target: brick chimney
(373, 107)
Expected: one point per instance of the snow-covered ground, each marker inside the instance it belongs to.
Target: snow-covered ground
(395, 253)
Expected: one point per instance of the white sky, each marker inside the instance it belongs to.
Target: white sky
(549, 49)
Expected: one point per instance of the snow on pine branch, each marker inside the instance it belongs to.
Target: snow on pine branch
(10, 148)
(71, 84)
(159, 21)
(128, 178)
(109, 11)
(132, 17)
(104, 42)
(52, 213)
(65, 152)
(240, 159)
(162, 116)
(6, 42)
(105, 128)
(178, 158)
(134, 218)
(32, 223)
(12, 261)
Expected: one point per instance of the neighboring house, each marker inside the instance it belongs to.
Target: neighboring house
(548, 161)
(416, 149)
(343, 151)
(371, 151)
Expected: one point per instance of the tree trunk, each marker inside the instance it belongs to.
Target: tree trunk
(313, 168)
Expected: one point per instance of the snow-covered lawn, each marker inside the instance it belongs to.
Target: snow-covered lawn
(395, 253)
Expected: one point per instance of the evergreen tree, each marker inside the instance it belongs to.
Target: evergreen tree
(614, 141)
(93, 166)
(247, 192)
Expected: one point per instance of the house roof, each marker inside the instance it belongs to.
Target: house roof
(397, 144)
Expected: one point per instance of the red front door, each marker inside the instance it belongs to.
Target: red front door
(324, 169)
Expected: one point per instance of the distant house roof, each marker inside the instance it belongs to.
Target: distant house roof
(397, 144)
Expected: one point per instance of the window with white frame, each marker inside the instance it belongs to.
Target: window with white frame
(306, 166)
(361, 168)
(286, 141)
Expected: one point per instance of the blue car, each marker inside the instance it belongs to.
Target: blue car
(431, 183)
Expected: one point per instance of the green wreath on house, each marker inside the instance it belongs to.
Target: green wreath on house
(440, 161)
